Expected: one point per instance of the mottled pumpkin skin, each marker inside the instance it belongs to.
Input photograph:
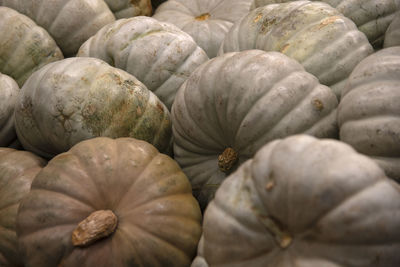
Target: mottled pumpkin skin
(80, 98)
(8, 96)
(371, 17)
(69, 22)
(392, 35)
(325, 42)
(307, 203)
(129, 8)
(369, 113)
(17, 170)
(207, 21)
(243, 100)
(24, 46)
(158, 54)
(158, 218)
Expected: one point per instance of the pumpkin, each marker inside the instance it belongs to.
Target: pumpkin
(207, 21)
(325, 42)
(307, 203)
(107, 203)
(24, 46)
(233, 104)
(17, 170)
(392, 35)
(75, 99)
(371, 17)
(8, 95)
(129, 8)
(369, 112)
(158, 54)
(69, 22)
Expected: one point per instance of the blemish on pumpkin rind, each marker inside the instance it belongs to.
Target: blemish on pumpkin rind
(285, 48)
(317, 104)
(257, 18)
(328, 21)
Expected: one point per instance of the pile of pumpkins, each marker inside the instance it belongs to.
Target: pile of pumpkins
(200, 133)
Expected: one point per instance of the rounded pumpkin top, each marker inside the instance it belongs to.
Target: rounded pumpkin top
(80, 98)
(130, 8)
(157, 218)
(325, 42)
(304, 202)
(8, 96)
(158, 54)
(17, 170)
(24, 46)
(233, 104)
(207, 21)
(70, 22)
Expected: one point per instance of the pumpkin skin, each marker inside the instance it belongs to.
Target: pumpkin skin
(368, 114)
(371, 17)
(243, 100)
(129, 8)
(24, 46)
(158, 218)
(392, 36)
(17, 170)
(304, 202)
(69, 22)
(75, 99)
(8, 96)
(325, 42)
(158, 54)
(207, 21)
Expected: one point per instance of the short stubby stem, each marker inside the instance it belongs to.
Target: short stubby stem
(97, 225)
(204, 16)
(227, 159)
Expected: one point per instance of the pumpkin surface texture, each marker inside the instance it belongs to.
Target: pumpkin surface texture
(24, 46)
(392, 36)
(303, 202)
(369, 113)
(233, 104)
(325, 42)
(17, 170)
(69, 22)
(139, 198)
(158, 54)
(372, 17)
(75, 99)
(207, 21)
(8, 96)
(129, 8)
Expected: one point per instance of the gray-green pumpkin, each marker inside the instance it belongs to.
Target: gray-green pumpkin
(70, 22)
(130, 8)
(75, 99)
(325, 42)
(369, 113)
(233, 104)
(392, 35)
(158, 54)
(8, 96)
(24, 46)
(307, 203)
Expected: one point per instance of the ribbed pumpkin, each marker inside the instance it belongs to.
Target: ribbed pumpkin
(75, 99)
(372, 17)
(8, 96)
(233, 104)
(325, 42)
(307, 203)
(369, 113)
(70, 22)
(158, 54)
(129, 8)
(207, 21)
(392, 36)
(124, 186)
(17, 170)
(24, 46)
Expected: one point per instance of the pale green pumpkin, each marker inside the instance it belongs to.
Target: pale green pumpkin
(129, 8)
(8, 96)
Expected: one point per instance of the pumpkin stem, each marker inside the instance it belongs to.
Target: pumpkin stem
(203, 16)
(227, 159)
(97, 225)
